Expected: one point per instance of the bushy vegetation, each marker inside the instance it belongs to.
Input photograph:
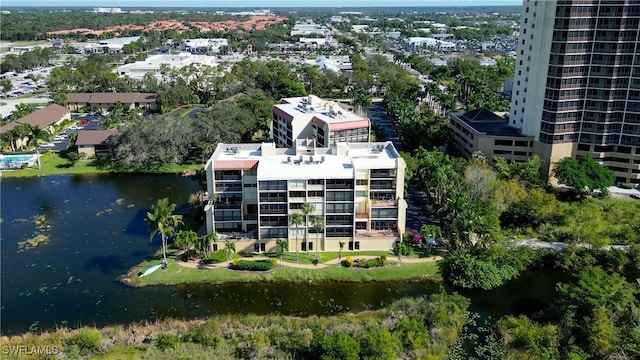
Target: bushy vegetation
(257, 265)
(423, 327)
(216, 257)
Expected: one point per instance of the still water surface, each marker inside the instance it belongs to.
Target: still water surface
(97, 233)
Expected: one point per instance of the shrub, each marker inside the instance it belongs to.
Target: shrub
(404, 248)
(86, 340)
(166, 341)
(371, 263)
(216, 257)
(347, 262)
(259, 265)
(202, 335)
(625, 185)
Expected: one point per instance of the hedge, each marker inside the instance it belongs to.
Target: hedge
(258, 265)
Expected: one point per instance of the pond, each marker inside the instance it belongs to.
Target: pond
(95, 232)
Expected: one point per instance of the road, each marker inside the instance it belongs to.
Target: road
(416, 202)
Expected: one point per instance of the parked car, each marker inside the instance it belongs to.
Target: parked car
(48, 145)
(75, 127)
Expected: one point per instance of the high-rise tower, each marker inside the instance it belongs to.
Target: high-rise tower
(577, 81)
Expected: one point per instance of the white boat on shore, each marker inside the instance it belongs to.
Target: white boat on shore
(150, 270)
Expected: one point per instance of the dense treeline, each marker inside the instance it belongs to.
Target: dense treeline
(37, 57)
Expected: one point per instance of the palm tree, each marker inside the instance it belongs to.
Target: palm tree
(230, 248)
(283, 245)
(207, 241)
(161, 220)
(341, 243)
(185, 240)
(38, 134)
(296, 219)
(307, 208)
(318, 226)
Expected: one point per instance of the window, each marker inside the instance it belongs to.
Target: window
(361, 182)
(316, 182)
(362, 193)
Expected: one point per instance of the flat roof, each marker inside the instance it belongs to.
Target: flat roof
(280, 164)
(321, 111)
(486, 121)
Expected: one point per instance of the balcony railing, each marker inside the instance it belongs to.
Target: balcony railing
(377, 233)
(383, 203)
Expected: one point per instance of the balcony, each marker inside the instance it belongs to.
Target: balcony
(376, 233)
(362, 216)
(250, 217)
(383, 203)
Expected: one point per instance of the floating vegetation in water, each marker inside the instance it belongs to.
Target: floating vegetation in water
(130, 206)
(99, 213)
(35, 241)
(20, 220)
(120, 201)
(41, 222)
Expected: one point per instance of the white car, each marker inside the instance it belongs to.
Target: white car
(59, 138)
(75, 127)
(48, 145)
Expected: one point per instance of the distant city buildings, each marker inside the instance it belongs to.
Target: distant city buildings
(314, 118)
(309, 27)
(102, 10)
(204, 45)
(155, 63)
(113, 45)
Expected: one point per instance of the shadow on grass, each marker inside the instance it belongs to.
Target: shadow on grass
(64, 166)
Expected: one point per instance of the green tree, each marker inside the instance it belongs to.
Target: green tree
(296, 219)
(526, 339)
(229, 248)
(583, 175)
(206, 241)
(6, 85)
(318, 226)
(161, 220)
(337, 345)
(73, 158)
(307, 208)
(283, 246)
(185, 239)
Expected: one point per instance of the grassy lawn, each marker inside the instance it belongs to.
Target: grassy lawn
(322, 256)
(176, 274)
(56, 165)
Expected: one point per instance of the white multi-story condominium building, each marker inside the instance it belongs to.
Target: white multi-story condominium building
(312, 117)
(577, 82)
(356, 188)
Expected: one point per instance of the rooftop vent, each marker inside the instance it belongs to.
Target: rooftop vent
(377, 149)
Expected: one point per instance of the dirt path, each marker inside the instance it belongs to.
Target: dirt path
(224, 265)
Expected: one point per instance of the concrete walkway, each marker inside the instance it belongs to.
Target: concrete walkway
(224, 265)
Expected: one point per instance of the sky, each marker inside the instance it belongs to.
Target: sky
(257, 3)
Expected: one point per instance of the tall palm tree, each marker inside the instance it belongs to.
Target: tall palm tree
(296, 219)
(307, 208)
(318, 226)
(283, 245)
(230, 248)
(161, 220)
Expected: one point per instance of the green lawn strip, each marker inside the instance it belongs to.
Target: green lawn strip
(56, 165)
(176, 274)
(322, 256)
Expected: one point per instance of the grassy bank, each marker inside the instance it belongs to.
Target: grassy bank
(414, 328)
(176, 274)
(54, 164)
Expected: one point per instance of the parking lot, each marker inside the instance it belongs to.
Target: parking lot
(92, 123)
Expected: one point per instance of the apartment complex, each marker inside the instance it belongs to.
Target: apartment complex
(577, 82)
(311, 117)
(356, 188)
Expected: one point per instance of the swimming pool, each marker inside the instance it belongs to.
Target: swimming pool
(16, 161)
